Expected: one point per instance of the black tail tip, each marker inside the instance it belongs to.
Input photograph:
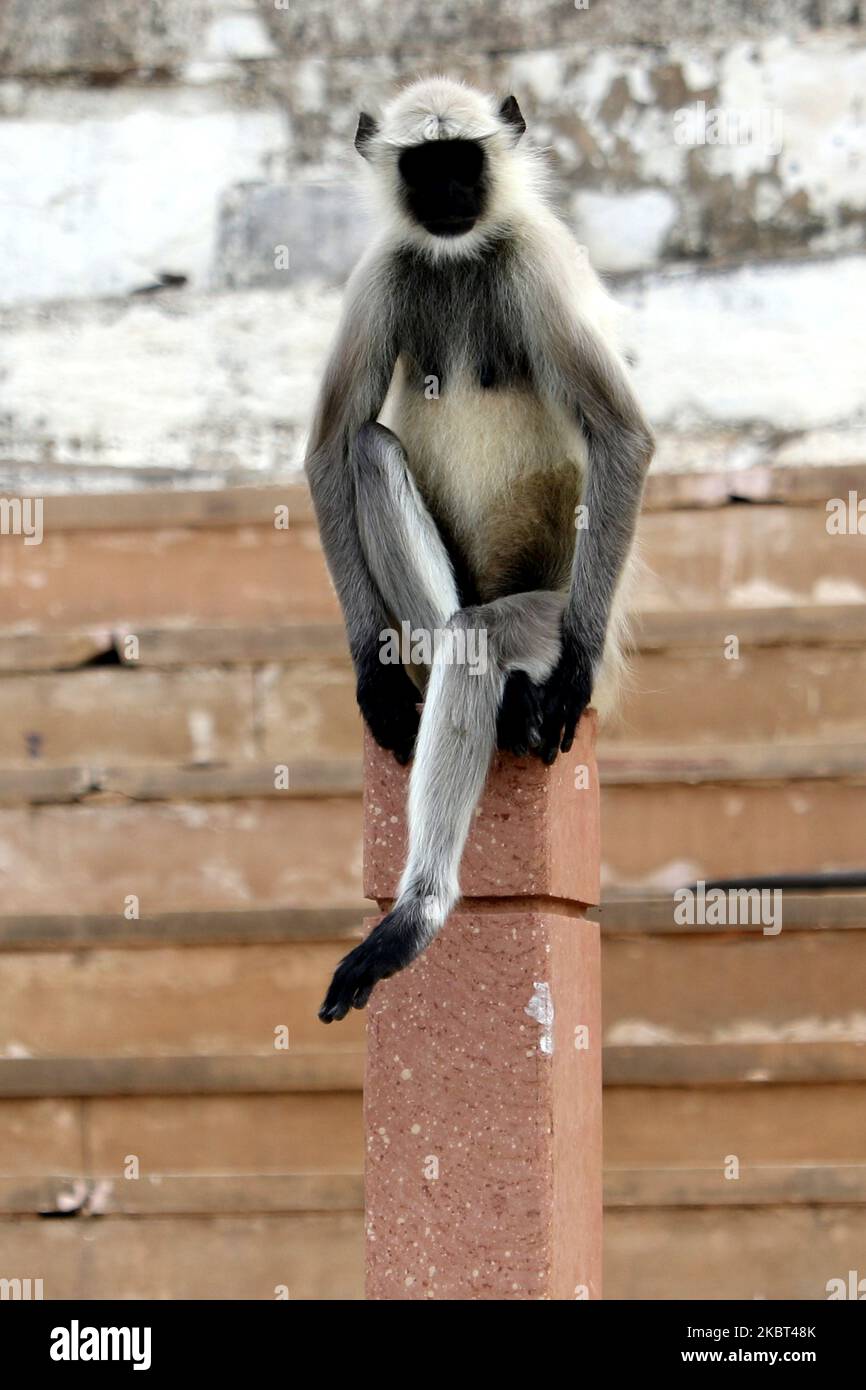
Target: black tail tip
(390, 947)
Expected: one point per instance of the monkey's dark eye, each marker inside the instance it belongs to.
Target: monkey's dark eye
(444, 184)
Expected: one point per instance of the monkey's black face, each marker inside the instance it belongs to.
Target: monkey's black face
(444, 185)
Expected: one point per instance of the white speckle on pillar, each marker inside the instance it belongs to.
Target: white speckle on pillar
(540, 1007)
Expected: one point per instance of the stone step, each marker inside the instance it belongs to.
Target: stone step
(268, 852)
(774, 1132)
(713, 988)
(296, 708)
(625, 916)
(767, 1252)
(341, 1068)
(206, 1194)
(259, 560)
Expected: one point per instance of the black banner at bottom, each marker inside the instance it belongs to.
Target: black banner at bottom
(159, 1339)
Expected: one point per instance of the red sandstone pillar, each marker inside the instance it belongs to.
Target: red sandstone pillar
(483, 1088)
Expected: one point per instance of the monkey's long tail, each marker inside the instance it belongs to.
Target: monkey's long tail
(453, 752)
(452, 757)
(455, 745)
(456, 742)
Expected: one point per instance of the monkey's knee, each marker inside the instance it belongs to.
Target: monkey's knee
(520, 632)
(389, 506)
(402, 546)
(378, 458)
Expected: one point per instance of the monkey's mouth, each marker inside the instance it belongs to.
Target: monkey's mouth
(449, 226)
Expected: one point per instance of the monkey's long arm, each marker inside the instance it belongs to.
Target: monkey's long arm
(353, 390)
(589, 381)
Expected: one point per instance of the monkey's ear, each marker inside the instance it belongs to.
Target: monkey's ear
(367, 128)
(512, 115)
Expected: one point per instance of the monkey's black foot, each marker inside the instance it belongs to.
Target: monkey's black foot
(391, 946)
(389, 703)
(565, 695)
(518, 724)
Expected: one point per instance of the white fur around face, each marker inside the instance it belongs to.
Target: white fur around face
(438, 108)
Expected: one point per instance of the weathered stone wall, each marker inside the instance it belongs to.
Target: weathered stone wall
(156, 156)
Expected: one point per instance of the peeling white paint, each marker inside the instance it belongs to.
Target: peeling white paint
(99, 1199)
(760, 593)
(824, 149)
(91, 205)
(720, 332)
(73, 1197)
(663, 879)
(201, 732)
(624, 231)
(239, 37)
(638, 1032)
(226, 382)
(822, 446)
(540, 73)
(828, 590)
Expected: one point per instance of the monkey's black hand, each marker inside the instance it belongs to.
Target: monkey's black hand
(518, 724)
(565, 695)
(389, 703)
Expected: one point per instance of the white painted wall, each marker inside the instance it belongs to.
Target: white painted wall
(101, 192)
(193, 137)
(726, 363)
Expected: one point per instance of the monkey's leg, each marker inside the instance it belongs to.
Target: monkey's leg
(455, 745)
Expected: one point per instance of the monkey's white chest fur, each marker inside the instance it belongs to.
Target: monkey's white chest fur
(478, 453)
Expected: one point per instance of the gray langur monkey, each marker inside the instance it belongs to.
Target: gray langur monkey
(454, 509)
